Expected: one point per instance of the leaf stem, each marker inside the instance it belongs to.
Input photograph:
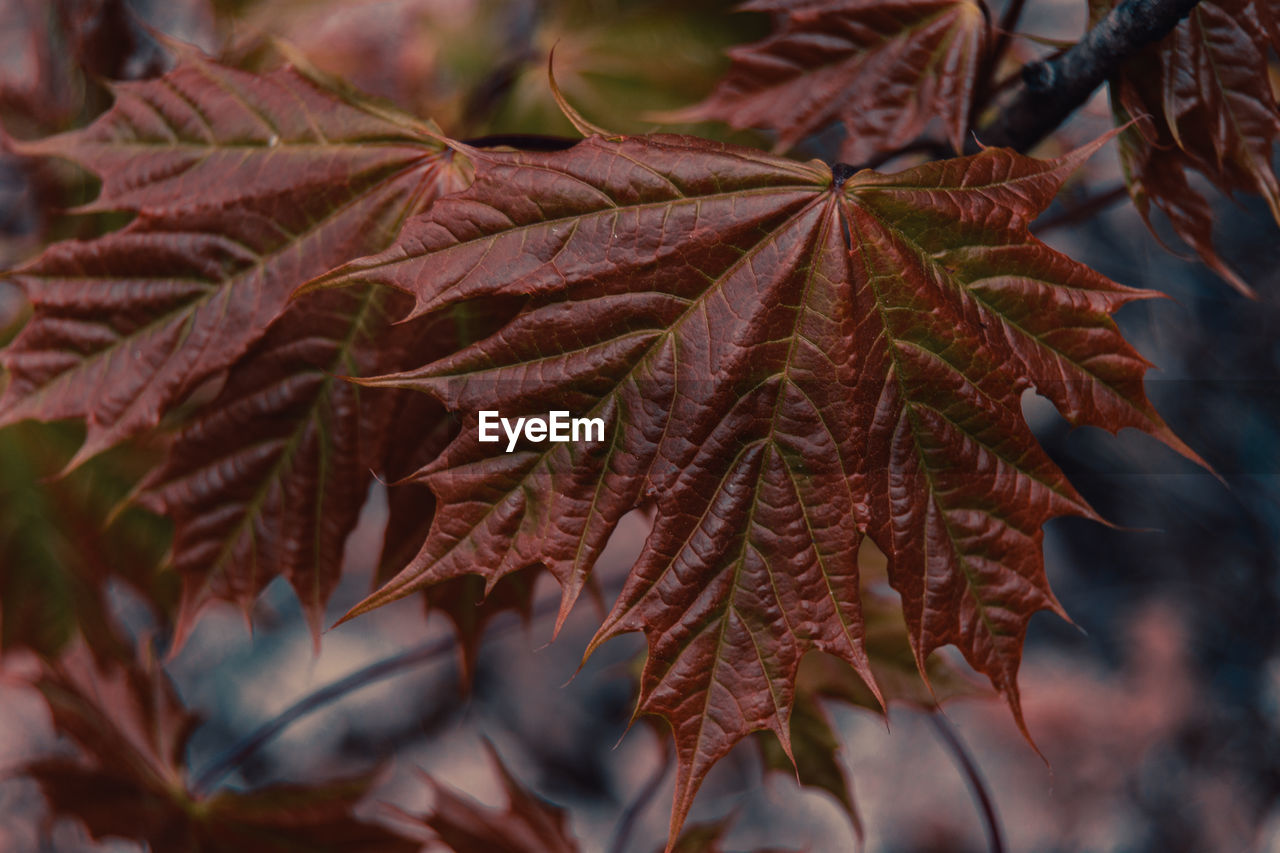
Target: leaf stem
(977, 785)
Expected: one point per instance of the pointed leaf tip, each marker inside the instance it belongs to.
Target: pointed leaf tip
(581, 124)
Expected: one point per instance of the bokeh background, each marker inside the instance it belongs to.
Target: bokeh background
(1157, 712)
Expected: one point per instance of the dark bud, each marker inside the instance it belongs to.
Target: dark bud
(1038, 76)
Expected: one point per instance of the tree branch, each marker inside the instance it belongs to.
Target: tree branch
(1052, 89)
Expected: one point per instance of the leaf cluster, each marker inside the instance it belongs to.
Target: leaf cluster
(295, 290)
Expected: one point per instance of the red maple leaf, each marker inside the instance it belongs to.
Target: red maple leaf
(784, 357)
(882, 69)
(1205, 103)
(129, 780)
(245, 186)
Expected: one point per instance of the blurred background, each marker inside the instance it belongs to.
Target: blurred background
(1158, 712)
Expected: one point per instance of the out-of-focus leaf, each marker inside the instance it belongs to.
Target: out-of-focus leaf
(406, 51)
(1204, 102)
(470, 607)
(56, 550)
(813, 760)
(882, 69)
(109, 39)
(528, 825)
(618, 62)
(708, 838)
(814, 745)
(783, 358)
(295, 817)
(479, 66)
(420, 430)
(54, 58)
(129, 781)
(245, 186)
(893, 661)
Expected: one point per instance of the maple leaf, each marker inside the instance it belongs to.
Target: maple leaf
(784, 355)
(130, 781)
(884, 70)
(530, 824)
(1205, 103)
(269, 478)
(245, 186)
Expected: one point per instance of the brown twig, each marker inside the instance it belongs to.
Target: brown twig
(1052, 89)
